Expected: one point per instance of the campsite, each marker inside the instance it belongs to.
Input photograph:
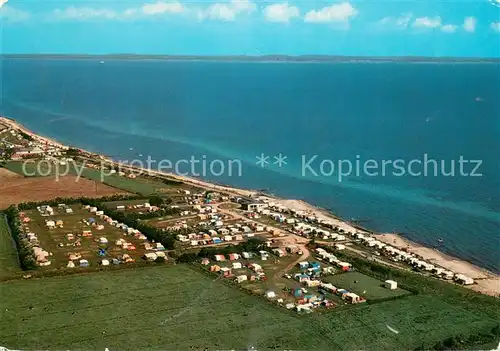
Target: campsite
(70, 236)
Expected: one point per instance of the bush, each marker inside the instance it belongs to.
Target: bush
(24, 248)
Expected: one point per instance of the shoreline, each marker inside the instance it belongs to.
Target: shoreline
(487, 282)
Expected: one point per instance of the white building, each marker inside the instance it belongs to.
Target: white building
(391, 284)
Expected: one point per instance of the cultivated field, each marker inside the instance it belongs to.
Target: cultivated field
(5, 173)
(178, 308)
(9, 261)
(16, 190)
(138, 185)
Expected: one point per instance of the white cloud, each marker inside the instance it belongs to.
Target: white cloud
(3, 2)
(10, 14)
(495, 26)
(280, 12)
(162, 7)
(427, 22)
(83, 13)
(227, 11)
(342, 12)
(401, 21)
(449, 28)
(89, 13)
(470, 24)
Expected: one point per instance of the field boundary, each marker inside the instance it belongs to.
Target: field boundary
(9, 229)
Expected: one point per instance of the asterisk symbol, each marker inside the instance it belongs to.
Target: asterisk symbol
(262, 160)
(280, 160)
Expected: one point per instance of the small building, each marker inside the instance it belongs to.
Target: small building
(214, 268)
(205, 261)
(301, 278)
(50, 224)
(251, 205)
(279, 252)
(150, 256)
(103, 240)
(234, 256)
(312, 283)
(237, 265)
(391, 284)
(84, 263)
(315, 266)
(463, 279)
(241, 278)
(247, 255)
(105, 263)
(159, 247)
(344, 265)
(220, 258)
(270, 294)
(303, 265)
(352, 298)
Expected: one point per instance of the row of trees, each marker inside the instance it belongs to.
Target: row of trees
(72, 200)
(24, 247)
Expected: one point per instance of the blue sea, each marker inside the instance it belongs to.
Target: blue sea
(317, 112)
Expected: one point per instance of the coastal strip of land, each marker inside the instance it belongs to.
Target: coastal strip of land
(486, 282)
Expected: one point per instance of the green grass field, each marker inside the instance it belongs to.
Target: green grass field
(363, 285)
(179, 308)
(9, 261)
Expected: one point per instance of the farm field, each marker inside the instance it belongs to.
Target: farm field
(138, 185)
(179, 308)
(52, 239)
(144, 187)
(363, 285)
(9, 261)
(16, 190)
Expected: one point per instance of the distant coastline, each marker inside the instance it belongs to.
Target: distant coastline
(262, 58)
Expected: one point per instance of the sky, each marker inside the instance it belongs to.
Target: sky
(458, 28)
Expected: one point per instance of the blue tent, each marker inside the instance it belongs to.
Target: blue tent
(91, 220)
(101, 252)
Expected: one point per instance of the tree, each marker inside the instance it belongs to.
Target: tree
(6, 153)
(156, 201)
(160, 259)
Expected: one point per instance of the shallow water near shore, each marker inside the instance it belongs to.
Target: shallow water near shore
(224, 110)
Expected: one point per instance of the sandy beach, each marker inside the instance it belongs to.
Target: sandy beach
(486, 282)
(13, 124)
